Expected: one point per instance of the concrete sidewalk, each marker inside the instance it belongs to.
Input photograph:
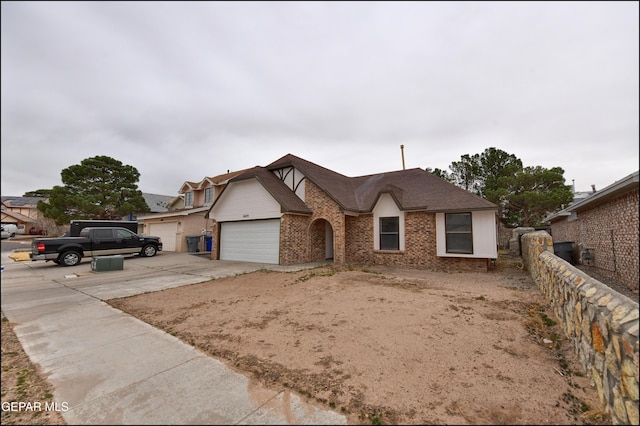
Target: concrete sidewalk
(110, 368)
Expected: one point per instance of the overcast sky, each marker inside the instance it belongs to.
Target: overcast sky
(186, 90)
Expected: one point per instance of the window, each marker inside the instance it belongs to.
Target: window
(188, 198)
(208, 195)
(390, 233)
(459, 235)
(125, 234)
(102, 234)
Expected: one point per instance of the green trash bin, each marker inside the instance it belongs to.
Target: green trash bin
(107, 263)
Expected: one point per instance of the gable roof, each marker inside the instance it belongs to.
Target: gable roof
(215, 180)
(412, 189)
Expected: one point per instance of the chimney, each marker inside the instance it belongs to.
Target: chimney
(593, 188)
(402, 151)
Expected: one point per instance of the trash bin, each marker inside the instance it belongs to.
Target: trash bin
(192, 243)
(209, 241)
(107, 263)
(564, 250)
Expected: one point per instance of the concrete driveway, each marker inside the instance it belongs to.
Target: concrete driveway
(110, 368)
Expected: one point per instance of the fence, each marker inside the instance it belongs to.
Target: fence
(601, 324)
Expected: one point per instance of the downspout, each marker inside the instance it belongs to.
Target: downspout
(613, 252)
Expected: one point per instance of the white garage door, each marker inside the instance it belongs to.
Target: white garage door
(254, 241)
(167, 233)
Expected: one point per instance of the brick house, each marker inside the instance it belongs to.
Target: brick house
(605, 223)
(295, 211)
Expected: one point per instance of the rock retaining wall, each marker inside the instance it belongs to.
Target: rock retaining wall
(601, 323)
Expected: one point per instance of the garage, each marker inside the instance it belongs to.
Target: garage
(167, 232)
(251, 241)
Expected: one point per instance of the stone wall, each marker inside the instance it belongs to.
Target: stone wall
(601, 324)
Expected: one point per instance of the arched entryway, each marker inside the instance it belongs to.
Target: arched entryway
(321, 233)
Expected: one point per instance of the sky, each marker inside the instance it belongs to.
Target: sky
(187, 90)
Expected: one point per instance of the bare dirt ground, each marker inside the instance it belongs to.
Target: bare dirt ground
(22, 381)
(389, 346)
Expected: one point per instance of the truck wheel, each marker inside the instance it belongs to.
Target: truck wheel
(69, 258)
(148, 251)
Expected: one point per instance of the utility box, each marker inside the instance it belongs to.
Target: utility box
(107, 263)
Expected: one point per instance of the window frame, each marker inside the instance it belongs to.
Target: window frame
(450, 234)
(208, 194)
(188, 198)
(383, 233)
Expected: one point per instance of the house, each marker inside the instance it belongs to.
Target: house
(161, 203)
(295, 211)
(185, 217)
(603, 229)
(23, 212)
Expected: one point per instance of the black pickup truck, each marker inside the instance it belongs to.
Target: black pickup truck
(69, 251)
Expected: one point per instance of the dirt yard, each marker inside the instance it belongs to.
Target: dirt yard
(385, 345)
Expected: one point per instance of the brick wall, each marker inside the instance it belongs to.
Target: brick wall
(611, 232)
(294, 239)
(325, 208)
(215, 244)
(420, 245)
(565, 230)
(359, 235)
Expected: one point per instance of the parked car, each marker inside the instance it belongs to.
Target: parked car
(5, 234)
(36, 231)
(9, 230)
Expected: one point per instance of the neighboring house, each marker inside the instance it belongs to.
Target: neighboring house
(186, 218)
(605, 223)
(162, 203)
(294, 211)
(23, 212)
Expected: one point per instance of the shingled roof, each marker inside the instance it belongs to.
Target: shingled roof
(412, 189)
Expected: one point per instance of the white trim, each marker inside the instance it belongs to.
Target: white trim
(386, 207)
(485, 239)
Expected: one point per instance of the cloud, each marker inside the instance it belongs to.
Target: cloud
(183, 90)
